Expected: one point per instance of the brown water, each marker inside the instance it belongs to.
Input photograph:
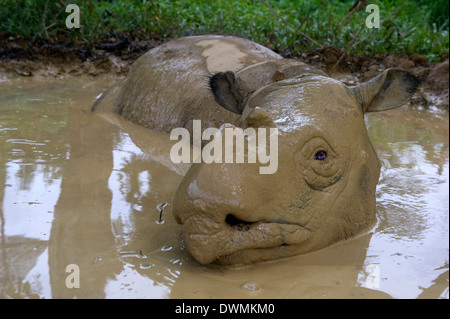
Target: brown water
(77, 189)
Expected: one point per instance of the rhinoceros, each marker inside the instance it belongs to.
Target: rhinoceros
(324, 188)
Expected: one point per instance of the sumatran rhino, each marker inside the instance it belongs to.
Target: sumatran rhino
(324, 188)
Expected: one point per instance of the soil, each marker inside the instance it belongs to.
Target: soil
(39, 58)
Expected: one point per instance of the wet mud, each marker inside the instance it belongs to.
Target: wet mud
(78, 188)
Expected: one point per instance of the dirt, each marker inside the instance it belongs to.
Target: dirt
(24, 58)
(434, 91)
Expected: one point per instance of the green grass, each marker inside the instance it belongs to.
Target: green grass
(420, 26)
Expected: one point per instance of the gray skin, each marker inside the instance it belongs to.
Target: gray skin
(231, 213)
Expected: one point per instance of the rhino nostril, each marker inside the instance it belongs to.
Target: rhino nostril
(237, 223)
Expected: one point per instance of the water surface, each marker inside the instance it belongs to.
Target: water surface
(77, 188)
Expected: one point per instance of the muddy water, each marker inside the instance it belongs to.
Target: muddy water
(80, 189)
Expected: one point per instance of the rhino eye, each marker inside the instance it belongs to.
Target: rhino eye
(319, 163)
(320, 156)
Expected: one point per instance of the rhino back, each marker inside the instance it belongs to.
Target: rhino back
(167, 87)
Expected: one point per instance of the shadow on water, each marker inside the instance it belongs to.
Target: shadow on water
(79, 188)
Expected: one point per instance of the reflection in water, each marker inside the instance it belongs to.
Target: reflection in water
(77, 189)
(413, 201)
(81, 230)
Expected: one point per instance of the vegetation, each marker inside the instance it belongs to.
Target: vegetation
(420, 26)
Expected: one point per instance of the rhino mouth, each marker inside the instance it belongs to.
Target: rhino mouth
(238, 224)
(235, 241)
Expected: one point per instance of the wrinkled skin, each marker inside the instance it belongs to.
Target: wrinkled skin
(324, 189)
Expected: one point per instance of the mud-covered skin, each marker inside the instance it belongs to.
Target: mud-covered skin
(168, 86)
(324, 189)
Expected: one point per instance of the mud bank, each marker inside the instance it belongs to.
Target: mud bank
(25, 58)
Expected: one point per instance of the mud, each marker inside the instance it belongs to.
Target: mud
(77, 188)
(112, 56)
(25, 57)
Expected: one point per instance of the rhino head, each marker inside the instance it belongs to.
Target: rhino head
(324, 188)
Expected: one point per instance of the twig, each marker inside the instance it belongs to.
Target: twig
(160, 207)
(330, 11)
(49, 27)
(346, 49)
(329, 14)
(389, 17)
(356, 7)
(290, 25)
(44, 17)
(155, 4)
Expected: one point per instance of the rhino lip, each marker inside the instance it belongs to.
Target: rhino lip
(242, 225)
(215, 241)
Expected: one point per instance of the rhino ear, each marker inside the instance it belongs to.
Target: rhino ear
(225, 90)
(231, 89)
(389, 90)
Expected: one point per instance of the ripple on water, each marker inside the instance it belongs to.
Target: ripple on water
(251, 285)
